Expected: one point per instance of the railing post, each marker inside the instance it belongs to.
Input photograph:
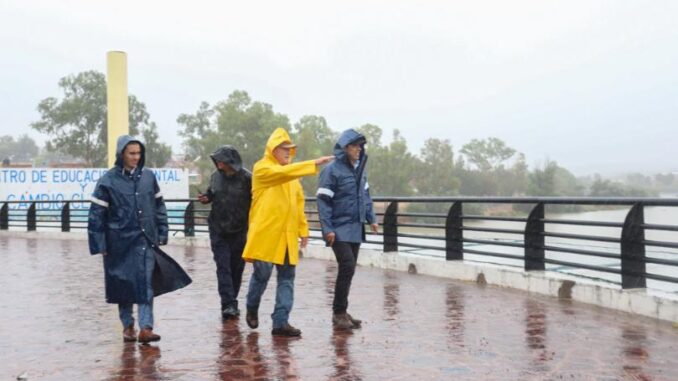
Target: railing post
(31, 218)
(189, 220)
(4, 216)
(633, 249)
(66, 217)
(454, 233)
(534, 239)
(391, 227)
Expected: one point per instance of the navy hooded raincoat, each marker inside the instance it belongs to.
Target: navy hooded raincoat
(128, 221)
(343, 196)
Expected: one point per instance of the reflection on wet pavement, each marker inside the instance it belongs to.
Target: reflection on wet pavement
(56, 326)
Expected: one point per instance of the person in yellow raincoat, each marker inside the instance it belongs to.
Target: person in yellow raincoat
(277, 226)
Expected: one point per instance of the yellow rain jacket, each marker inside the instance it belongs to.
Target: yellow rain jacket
(277, 218)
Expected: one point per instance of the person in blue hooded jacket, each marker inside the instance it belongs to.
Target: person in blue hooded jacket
(127, 222)
(344, 206)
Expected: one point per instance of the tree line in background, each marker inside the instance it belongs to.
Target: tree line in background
(76, 126)
(483, 167)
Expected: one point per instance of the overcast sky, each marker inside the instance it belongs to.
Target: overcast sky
(590, 84)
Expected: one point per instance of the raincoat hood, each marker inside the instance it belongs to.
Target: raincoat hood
(277, 218)
(347, 137)
(123, 141)
(278, 137)
(229, 155)
(344, 202)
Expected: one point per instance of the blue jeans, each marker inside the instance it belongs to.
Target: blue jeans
(144, 310)
(284, 296)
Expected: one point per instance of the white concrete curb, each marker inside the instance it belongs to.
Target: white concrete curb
(639, 301)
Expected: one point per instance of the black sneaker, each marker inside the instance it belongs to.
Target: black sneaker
(252, 318)
(286, 330)
(230, 313)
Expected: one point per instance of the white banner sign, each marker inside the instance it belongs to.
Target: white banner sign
(59, 184)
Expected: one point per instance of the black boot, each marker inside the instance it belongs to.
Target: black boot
(230, 312)
(341, 321)
(357, 323)
(286, 330)
(252, 318)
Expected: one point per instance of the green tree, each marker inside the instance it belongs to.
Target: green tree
(436, 175)
(483, 169)
(372, 133)
(237, 121)
(543, 180)
(77, 126)
(566, 184)
(23, 148)
(515, 179)
(479, 183)
(607, 188)
(487, 154)
(552, 180)
(666, 181)
(391, 168)
(639, 179)
(157, 154)
(199, 132)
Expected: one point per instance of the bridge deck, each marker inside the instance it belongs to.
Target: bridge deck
(56, 326)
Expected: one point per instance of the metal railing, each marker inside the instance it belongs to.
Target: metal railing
(531, 240)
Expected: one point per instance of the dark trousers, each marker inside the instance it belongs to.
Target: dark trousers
(227, 254)
(346, 254)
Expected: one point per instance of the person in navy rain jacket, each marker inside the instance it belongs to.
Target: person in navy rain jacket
(344, 205)
(127, 223)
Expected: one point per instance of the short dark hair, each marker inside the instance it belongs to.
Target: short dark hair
(129, 144)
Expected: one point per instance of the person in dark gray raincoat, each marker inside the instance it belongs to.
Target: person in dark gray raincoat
(230, 192)
(127, 223)
(344, 206)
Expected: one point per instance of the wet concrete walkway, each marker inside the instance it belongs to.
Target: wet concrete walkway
(55, 325)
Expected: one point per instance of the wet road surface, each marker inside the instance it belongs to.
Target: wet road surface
(55, 325)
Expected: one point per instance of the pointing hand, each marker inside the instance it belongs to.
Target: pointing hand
(323, 160)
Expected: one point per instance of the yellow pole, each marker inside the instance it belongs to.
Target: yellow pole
(117, 101)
